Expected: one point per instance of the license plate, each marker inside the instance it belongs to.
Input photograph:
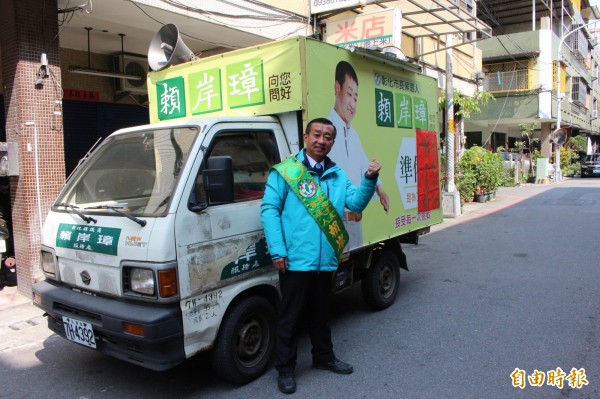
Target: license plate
(80, 332)
(596, 171)
(2, 245)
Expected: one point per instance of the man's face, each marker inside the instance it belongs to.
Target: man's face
(318, 141)
(346, 97)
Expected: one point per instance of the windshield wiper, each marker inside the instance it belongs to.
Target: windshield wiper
(87, 219)
(116, 209)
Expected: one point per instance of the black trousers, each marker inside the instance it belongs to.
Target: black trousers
(305, 297)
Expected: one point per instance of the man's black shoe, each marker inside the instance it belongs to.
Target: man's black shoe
(336, 365)
(286, 382)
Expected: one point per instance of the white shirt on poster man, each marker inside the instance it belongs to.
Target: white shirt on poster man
(348, 153)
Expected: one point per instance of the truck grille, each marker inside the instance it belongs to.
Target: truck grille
(76, 313)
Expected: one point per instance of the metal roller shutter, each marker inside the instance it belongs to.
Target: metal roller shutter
(85, 122)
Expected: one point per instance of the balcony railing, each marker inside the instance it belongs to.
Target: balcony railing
(507, 81)
(507, 76)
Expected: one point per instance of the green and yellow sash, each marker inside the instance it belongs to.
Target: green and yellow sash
(316, 202)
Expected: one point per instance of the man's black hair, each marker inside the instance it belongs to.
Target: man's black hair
(342, 69)
(323, 121)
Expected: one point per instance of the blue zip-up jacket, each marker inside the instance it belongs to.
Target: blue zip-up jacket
(292, 232)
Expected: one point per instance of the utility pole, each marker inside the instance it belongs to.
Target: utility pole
(451, 197)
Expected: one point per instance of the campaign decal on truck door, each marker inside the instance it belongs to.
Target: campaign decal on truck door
(98, 239)
(256, 256)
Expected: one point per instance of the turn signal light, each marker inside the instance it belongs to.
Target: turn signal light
(37, 298)
(134, 329)
(167, 283)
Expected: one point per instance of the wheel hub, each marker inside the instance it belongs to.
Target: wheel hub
(386, 281)
(250, 339)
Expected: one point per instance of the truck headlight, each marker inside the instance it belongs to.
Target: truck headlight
(151, 281)
(142, 281)
(48, 263)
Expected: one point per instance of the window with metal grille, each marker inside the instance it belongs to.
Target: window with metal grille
(507, 76)
(578, 90)
(579, 43)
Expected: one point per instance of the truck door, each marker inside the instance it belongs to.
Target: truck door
(221, 243)
(222, 252)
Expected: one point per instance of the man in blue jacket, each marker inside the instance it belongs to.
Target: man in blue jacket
(304, 198)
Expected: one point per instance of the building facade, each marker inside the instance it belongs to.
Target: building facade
(542, 60)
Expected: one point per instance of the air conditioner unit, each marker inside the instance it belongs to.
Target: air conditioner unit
(132, 65)
(594, 114)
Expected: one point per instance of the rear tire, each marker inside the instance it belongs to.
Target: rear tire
(246, 341)
(381, 281)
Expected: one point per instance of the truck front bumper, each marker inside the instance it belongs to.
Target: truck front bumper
(160, 348)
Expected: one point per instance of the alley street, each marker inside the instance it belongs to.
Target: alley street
(509, 288)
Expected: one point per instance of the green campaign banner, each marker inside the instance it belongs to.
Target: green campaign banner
(421, 116)
(259, 80)
(172, 99)
(98, 239)
(245, 83)
(404, 110)
(384, 111)
(205, 98)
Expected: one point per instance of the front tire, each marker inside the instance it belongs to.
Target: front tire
(246, 341)
(381, 281)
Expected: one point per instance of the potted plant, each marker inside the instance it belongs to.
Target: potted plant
(466, 183)
(480, 195)
(481, 172)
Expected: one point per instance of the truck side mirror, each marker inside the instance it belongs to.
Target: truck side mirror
(218, 180)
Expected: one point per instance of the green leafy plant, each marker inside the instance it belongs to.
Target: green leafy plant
(466, 184)
(527, 144)
(508, 177)
(578, 143)
(569, 161)
(569, 156)
(464, 106)
(479, 172)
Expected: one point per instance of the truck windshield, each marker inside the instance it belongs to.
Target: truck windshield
(134, 172)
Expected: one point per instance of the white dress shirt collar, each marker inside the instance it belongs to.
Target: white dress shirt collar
(311, 161)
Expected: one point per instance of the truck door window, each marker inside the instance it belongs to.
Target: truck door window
(253, 153)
